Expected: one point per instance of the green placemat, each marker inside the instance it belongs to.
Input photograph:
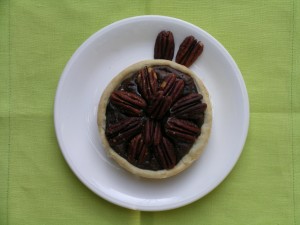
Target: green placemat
(37, 38)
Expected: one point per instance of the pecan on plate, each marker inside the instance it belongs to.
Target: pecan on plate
(165, 154)
(189, 50)
(128, 102)
(123, 130)
(182, 130)
(164, 46)
(189, 107)
(147, 82)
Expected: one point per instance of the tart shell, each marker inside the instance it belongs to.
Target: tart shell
(198, 146)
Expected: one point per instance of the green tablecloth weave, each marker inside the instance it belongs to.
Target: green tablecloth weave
(37, 38)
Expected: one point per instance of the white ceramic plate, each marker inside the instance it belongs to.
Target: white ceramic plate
(93, 66)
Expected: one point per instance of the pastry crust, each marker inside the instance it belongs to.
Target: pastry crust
(198, 146)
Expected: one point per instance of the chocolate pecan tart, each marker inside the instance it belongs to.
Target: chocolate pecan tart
(155, 118)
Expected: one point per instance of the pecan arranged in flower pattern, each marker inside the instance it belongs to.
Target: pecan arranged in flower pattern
(123, 130)
(152, 132)
(147, 83)
(128, 102)
(172, 86)
(159, 106)
(189, 107)
(137, 150)
(165, 154)
(183, 130)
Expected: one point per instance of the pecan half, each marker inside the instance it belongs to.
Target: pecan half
(189, 50)
(147, 82)
(152, 132)
(171, 86)
(165, 154)
(137, 150)
(182, 130)
(128, 102)
(164, 46)
(189, 107)
(160, 106)
(123, 130)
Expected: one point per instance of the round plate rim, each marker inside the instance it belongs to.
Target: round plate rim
(93, 187)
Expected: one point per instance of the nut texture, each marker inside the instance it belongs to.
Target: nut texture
(189, 50)
(183, 130)
(147, 83)
(172, 87)
(164, 46)
(123, 130)
(189, 107)
(159, 106)
(128, 102)
(165, 154)
(152, 132)
(137, 150)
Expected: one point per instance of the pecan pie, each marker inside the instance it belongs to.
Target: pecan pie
(155, 117)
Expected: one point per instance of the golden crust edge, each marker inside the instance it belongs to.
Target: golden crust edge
(197, 148)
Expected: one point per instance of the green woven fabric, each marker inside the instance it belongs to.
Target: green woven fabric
(37, 38)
